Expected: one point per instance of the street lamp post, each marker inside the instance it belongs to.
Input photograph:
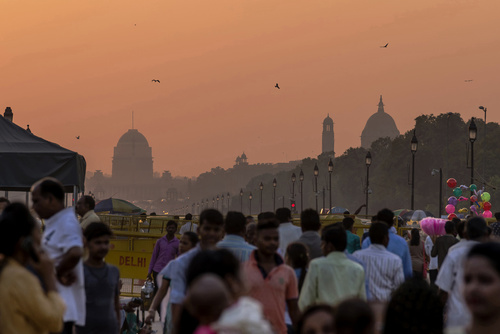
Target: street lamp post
(484, 144)
(250, 201)
(330, 171)
(301, 179)
(472, 139)
(414, 147)
(213, 202)
(241, 200)
(227, 202)
(434, 172)
(316, 173)
(294, 178)
(274, 194)
(323, 207)
(222, 203)
(217, 202)
(261, 187)
(368, 162)
(201, 205)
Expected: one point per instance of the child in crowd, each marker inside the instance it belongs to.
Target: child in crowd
(317, 319)
(188, 241)
(102, 287)
(269, 279)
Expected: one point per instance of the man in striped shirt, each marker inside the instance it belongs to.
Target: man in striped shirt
(234, 241)
(383, 268)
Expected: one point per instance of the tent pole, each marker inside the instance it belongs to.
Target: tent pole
(75, 195)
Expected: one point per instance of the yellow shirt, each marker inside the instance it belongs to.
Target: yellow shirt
(332, 279)
(25, 307)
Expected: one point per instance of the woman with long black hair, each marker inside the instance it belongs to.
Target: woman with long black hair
(417, 253)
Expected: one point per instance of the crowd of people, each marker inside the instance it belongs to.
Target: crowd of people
(235, 275)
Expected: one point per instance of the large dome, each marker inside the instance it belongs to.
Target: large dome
(132, 159)
(379, 125)
(133, 136)
(328, 120)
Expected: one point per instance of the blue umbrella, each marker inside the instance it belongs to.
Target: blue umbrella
(120, 206)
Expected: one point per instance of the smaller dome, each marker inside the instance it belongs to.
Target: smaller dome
(328, 120)
(132, 136)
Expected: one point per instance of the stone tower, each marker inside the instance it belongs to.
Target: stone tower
(328, 136)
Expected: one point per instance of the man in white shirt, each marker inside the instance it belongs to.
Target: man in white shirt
(189, 225)
(85, 209)
(63, 243)
(383, 268)
(433, 264)
(450, 276)
(288, 232)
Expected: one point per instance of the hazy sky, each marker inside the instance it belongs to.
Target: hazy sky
(72, 68)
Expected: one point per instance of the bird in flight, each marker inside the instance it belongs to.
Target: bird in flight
(77, 137)
(469, 80)
(385, 45)
(154, 80)
(277, 86)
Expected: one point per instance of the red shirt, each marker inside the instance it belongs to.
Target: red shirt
(272, 290)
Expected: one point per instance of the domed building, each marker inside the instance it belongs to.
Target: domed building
(328, 138)
(379, 125)
(133, 159)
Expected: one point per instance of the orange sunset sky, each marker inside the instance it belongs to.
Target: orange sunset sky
(79, 68)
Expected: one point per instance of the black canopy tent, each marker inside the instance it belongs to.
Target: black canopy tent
(26, 158)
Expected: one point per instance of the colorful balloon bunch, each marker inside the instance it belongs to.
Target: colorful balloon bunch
(481, 205)
(433, 226)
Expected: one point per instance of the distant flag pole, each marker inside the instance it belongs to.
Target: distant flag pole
(132, 119)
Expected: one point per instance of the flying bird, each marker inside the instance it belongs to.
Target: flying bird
(385, 45)
(77, 137)
(277, 86)
(154, 80)
(469, 80)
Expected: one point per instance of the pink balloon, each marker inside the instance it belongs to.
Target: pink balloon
(487, 214)
(450, 209)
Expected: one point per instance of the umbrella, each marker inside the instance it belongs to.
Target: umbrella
(416, 215)
(115, 205)
(337, 210)
(400, 212)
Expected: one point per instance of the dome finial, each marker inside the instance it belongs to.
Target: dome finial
(381, 105)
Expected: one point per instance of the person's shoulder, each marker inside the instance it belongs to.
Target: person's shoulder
(397, 238)
(285, 268)
(393, 257)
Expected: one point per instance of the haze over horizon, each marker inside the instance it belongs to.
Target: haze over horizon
(80, 68)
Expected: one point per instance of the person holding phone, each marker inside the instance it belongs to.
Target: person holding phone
(26, 307)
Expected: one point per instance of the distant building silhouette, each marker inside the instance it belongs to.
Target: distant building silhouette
(8, 114)
(242, 161)
(328, 142)
(379, 125)
(133, 159)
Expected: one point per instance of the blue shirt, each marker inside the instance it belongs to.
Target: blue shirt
(177, 274)
(397, 245)
(237, 245)
(367, 281)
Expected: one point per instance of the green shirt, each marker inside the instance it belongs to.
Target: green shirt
(353, 242)
(332, 279)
